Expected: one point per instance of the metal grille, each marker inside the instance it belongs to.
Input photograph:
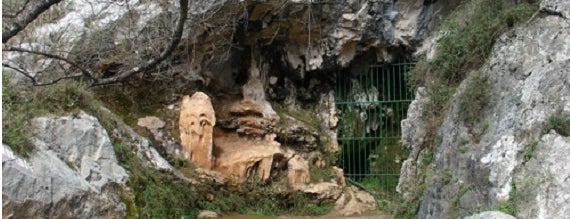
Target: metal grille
(371, 105)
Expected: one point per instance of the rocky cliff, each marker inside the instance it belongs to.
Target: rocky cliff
(514, 158)
(244, 113)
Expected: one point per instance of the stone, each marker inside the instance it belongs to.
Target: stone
(339, 173)
(208, 214)
(72, 173)
(490, 214)
(298, 171)
(528, 85)
(354, 202)
(197, 121)
(241, 158)
(324, 191)
(151, 122)
(326, 112)
(297, 135)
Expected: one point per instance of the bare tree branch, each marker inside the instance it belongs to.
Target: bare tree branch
(174, 41)
(33, 79)
(84, 72)
(27, 18)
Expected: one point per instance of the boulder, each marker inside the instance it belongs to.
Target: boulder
(72, 173)
(197, 120)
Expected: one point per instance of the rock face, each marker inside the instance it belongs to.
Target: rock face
(197, 120)
(72, 173)
(244, 158)
(516, 158)
(490, 214)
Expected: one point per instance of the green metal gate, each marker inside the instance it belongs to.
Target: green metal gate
(371, 106)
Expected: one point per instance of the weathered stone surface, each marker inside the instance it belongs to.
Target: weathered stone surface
(242, 158)
(151, 122)
(72, 173)
(298, 171)
(490, 214)
(324, 191)
(208, 214)
(556, 7)
(297, 135)
(326, 111)
(197, 120)
(542, 183)
(354, 202)
(528, 74)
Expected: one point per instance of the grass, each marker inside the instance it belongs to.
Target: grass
(560, 122)
(21, 104)
(529, 151)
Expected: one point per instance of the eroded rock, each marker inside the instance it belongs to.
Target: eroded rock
(354, 202)
(197, 120)
(298, 171)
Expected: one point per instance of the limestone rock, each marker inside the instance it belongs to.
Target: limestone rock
(324, 191)
(151, 122)
(72, 173)
(326, 111)
(528, 73)
(297, 135)
(242, 157)
(490, 214)
(208, 214)
(340, 180)
(197, 120)
(354, 202)
(298, 171)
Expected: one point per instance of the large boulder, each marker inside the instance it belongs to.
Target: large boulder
(72, 173)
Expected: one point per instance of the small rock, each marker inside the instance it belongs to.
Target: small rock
(208, 214)
(151, 123)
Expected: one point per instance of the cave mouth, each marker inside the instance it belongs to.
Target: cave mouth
(372, 99)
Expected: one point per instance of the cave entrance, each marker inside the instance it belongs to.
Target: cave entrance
(371, 103)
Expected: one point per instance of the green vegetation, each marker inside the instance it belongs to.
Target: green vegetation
(509, 206)
(474, 100)
(20, 105)
(529, 151)
(560, 123)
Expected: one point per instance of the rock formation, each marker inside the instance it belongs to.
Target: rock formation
(197, 120)
(72, 173)
(517, 159)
